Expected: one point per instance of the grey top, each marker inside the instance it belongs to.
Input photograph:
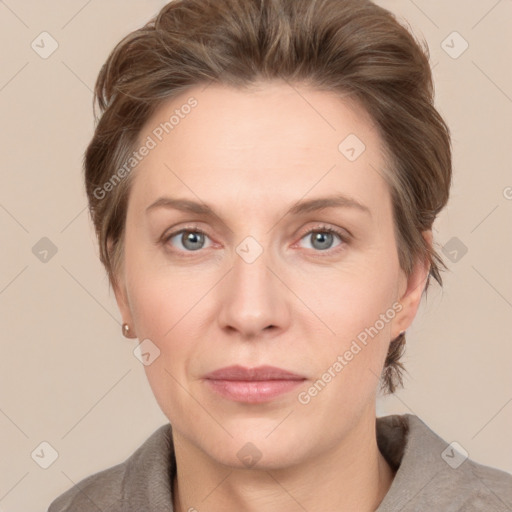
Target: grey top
(431, 475)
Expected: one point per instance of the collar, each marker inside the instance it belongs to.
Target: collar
(420, 457)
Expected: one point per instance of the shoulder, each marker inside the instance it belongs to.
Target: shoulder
(142, 477)
(472, 486)
(488, 485)
(101, 491)
(433, 472)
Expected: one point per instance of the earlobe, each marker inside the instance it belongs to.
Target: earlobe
(122, 303)
(121, 295)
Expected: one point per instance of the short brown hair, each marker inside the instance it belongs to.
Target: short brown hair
(349, 47)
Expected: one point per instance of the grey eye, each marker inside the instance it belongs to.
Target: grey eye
(191, 240)
(321, 240)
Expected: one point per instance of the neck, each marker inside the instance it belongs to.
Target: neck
(353, 476)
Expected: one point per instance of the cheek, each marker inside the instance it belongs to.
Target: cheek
(349, 299)
(167, 305)
(357, 306)
(359, 309)
(159, 295)
(159, 306)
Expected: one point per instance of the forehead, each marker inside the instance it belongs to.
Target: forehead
(271, 142)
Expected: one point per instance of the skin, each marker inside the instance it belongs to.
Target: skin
(251, 155)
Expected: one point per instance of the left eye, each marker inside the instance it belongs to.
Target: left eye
(323, 238)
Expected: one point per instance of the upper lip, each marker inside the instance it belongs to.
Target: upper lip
(238, 372)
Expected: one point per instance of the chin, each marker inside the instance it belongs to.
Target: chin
(259, 447)
(247, 454)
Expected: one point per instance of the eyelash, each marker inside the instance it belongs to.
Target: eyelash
(318, 229)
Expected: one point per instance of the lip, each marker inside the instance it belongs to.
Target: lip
(252, 385)
(259, 373)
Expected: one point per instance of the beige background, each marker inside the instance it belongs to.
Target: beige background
(68, 377)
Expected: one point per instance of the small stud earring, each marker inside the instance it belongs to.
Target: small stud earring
(126, 331)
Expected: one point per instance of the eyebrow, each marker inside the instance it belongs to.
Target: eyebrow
(299, 208)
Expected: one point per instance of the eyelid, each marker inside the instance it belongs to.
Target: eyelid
(344, 234)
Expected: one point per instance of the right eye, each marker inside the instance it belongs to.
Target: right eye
(191, 239)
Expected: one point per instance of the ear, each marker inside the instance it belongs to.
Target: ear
(119, 287)
(410, 292)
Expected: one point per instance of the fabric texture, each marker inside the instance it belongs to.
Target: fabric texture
(431, 475)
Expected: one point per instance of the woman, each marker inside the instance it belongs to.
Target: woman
(263, 182)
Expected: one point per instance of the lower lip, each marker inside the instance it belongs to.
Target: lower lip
(255, 391)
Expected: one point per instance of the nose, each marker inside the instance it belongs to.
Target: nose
(254, 301)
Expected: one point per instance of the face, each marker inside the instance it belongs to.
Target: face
(261, 277)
